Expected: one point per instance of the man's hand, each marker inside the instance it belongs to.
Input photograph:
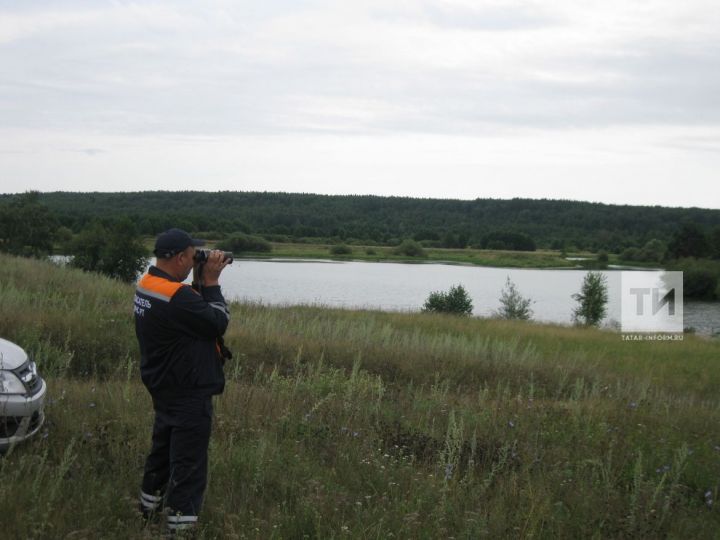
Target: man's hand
(212, 268)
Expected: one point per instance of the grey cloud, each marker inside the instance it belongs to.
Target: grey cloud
(133, 80)
(91, 151)
(479, 17)
(695, 143)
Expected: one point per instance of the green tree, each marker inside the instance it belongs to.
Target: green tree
(116, 251)
(456, 301)
(26, 227)
(592, 299)
(630, 254)
(689, 241)
(714, 240)
(653, 251)
(701, 277)
(63, 236)
(512, 304)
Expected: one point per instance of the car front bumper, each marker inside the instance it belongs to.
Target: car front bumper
(21, 417)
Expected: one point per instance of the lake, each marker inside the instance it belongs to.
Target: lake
(405, 287)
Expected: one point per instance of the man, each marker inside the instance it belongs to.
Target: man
(179, 329)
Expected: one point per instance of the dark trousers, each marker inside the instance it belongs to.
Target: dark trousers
(176, 469)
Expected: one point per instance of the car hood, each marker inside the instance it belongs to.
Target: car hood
(11, 356)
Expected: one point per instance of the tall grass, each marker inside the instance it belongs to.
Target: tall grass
(370, 425)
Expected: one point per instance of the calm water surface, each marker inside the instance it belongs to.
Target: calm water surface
(404, 287)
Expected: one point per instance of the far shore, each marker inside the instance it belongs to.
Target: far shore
(540, 259)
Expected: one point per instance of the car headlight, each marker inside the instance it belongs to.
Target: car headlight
(10, 384)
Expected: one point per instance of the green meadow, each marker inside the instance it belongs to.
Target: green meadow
(364, 424)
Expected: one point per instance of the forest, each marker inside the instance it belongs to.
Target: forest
(520, 224)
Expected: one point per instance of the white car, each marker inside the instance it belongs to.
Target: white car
(22, 396)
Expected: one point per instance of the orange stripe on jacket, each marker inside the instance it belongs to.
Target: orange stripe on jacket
(159, 285)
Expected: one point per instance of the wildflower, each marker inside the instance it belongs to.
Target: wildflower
(92, 405)
(511, 424)
(709, 498)
(663, 469)
(448, 471)
(633, 405)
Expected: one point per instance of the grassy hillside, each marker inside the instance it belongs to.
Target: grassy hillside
(370, 425)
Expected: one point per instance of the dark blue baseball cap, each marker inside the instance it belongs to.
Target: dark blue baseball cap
(173, 241)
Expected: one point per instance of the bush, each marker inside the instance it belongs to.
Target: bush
(341, 249)
(116, 251)
(410, 248)
(513, 304)
(243, 243)
(455, 301)
(508, 240)
(701, 278)
(699, 283)
(653, 251)
(630, 254)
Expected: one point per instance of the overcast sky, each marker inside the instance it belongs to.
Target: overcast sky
(614, 101)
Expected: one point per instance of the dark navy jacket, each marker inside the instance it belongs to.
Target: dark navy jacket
(178, 331)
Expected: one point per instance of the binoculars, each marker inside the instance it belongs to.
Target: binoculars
(201, 256)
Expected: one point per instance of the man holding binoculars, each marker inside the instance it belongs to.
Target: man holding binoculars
(180, 332)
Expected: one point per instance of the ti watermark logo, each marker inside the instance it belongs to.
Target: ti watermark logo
(651, 306)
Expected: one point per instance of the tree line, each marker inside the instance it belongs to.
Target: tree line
(517, 224)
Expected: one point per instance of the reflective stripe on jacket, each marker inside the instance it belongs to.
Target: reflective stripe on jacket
(177, 330)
